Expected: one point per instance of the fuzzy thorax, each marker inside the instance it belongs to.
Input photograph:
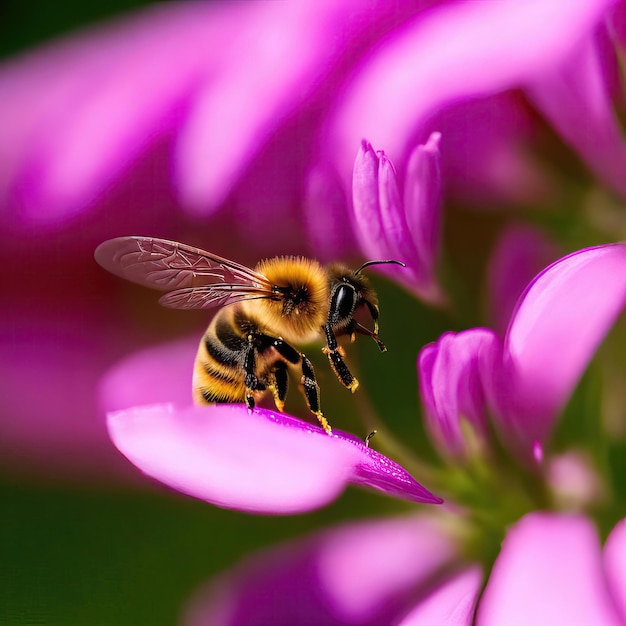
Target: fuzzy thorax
(301, 306)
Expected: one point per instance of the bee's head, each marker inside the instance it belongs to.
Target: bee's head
(349, 292)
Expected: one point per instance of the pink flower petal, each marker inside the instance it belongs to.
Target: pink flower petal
(390, 227)
(451, 604)
(575, 97)
(615, 566)
(301, 52)
(548, 572)
(486, 50)
(109, 92)
(261, 461)
(560, 320)
(366, 573)
(157, 374)
(451, 374)
(51, 365)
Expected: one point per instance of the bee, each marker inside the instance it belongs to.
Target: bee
(249, 346)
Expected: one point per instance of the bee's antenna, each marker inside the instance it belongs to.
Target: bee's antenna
(368, 263)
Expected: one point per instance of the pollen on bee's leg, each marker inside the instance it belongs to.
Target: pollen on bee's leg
(354, 385)
(324, 422)
(250, 402)
(338, 350)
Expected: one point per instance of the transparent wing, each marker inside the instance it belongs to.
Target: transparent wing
(210, 296)
(196, 278)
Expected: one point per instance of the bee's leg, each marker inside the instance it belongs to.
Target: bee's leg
(251, 380)
(335, 356)
(312, 393)
(279, 388)
(309, 382)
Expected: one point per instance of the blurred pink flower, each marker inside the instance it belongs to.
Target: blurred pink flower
(408, 571)
(524, 380)
(173, 86)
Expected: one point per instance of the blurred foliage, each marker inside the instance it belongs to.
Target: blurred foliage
(25, 24)
(99, 558)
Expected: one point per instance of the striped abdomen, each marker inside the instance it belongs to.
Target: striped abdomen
(219, 368)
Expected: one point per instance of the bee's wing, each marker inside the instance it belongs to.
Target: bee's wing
(211, 296)
(197, 279)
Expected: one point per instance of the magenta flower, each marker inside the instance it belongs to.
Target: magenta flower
(408, 571)
(524, 381)
(223, 134)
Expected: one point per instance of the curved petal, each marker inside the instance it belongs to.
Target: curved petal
(548, 572)
(486, 51)
(451, 376)
(366, 574)
(389, 226)
(110, 92)
(301, 52)
(258, 461)
(615, 566)
(561, 318)
(451, 604)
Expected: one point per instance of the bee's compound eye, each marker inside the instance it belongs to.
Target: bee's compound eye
(342, 303)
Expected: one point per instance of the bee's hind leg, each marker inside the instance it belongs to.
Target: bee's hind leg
(312, 393)
(279, 387)
(309, 382)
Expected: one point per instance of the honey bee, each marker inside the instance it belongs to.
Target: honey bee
(247, 349)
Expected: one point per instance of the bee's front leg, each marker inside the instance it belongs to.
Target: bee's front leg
(335, 356)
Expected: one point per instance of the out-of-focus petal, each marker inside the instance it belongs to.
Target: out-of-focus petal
(161, 373)
(486, 51)
(326, 217)
(301, 53)
(51, 366)
(548, 572)
(488, 162)
(261, 461)
(367, 574)
(575, 97)
(521, 252)
(615, 566)
(389, 226)
(451, 604)
(561, 318)
(451, 374)
(111, 79)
